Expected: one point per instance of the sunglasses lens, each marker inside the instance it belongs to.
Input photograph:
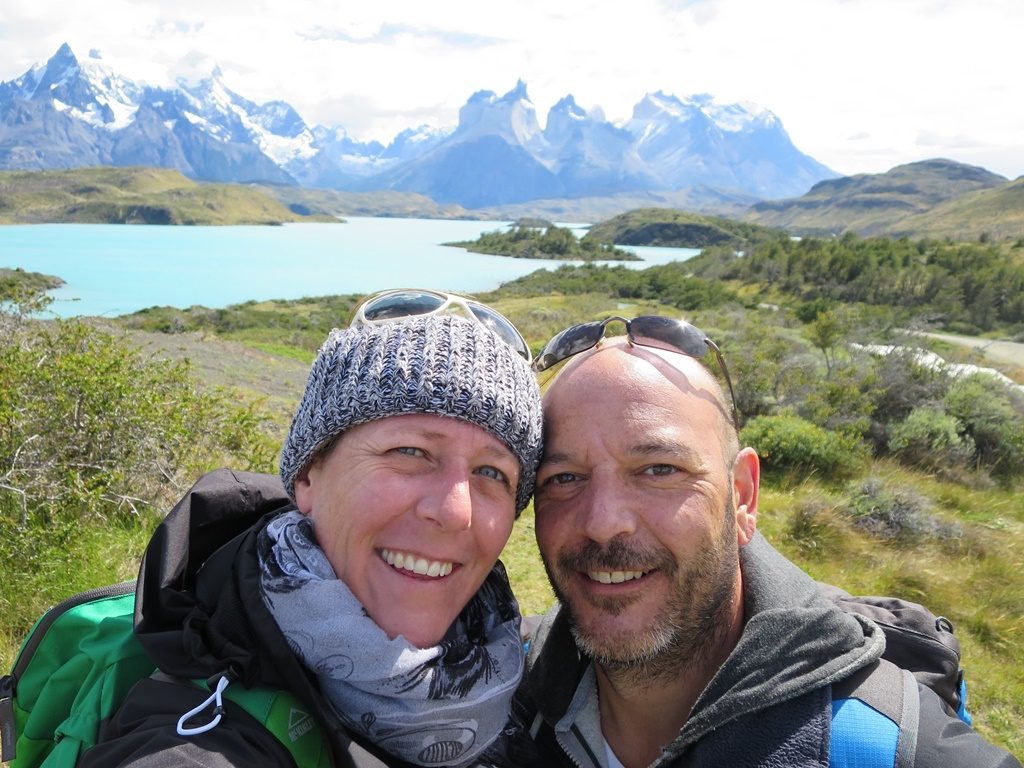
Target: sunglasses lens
(676, 333)
(569, 342)
(401, 304)
(501, 326)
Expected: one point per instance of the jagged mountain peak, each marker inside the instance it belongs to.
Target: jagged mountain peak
(567, 104)
(663, 106)
(512, 117)
(518, 93)
(497, 152)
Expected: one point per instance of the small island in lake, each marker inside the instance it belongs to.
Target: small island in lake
(536, 239)
(17, 278)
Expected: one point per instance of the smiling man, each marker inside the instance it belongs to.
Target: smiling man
(682, 637)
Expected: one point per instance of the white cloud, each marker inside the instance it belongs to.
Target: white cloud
(908, 78)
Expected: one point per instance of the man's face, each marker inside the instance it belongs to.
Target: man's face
(634, 505)
(412, 512)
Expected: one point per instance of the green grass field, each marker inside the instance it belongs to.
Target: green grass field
(971, 569)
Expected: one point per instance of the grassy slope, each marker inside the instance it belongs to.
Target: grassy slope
(874, 203)
(104, 195)
(995, 213)
(385, 203)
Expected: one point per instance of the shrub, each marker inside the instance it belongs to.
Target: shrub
(93, 435)
(89, 427)
(842, 402)
(899, 513)
(929, 438)
(789, 443)
(992, 419)
(905, 383)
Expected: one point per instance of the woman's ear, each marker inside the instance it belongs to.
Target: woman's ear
(304, 491)
(746, 478)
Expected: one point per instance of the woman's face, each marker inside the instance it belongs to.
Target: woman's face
(412, 512)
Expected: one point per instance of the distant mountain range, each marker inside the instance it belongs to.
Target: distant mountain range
(72, 112)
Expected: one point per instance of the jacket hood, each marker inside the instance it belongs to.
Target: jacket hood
(794, 640)
(196, 601)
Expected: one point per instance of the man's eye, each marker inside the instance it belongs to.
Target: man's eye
(561, 478)
(409, 451)
(660, 469)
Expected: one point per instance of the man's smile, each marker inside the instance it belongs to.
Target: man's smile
(615, 577)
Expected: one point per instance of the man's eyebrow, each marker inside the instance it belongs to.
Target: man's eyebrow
(660, 448)
(655, 448)
(553, 457)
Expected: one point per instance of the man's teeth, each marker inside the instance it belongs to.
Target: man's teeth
(614, 577)
(419, 565)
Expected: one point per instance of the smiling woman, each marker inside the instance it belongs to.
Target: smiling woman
(377, 600)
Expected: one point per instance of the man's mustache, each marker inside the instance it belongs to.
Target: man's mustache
(617, 555)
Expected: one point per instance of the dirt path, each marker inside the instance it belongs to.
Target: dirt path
(995, 350)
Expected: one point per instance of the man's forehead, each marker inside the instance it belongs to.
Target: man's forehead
(617, 364)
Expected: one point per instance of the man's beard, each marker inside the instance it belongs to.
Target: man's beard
(686, 630)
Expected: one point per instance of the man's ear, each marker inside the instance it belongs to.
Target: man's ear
(746, 478)
(304, 491)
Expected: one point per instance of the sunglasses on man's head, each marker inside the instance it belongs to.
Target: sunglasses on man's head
(647, 331)
(391, 305)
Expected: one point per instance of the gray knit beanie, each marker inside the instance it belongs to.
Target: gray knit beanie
(441, 364)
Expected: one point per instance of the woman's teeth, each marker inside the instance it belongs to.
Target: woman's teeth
(418, 565)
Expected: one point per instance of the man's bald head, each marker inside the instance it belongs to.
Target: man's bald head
(585, 376)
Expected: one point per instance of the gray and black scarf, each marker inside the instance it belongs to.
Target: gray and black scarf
(428, 706)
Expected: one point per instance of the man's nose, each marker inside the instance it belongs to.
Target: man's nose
(449, 504)
(607, 511)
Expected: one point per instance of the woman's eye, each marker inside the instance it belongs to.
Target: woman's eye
(409, 451)
(494, 473)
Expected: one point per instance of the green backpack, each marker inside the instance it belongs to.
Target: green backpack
(77, 665)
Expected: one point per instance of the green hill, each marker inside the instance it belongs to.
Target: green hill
(994, 214)
(677, 229)
(104, 195)
(875, 204)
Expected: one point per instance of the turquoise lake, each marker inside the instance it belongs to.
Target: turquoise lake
(113, 270)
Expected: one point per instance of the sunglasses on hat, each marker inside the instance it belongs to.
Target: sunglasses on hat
(646, 331)
(391, 305)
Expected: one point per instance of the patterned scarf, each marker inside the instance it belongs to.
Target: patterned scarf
(429, 706)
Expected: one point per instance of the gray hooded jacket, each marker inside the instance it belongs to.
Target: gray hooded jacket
(769, 705)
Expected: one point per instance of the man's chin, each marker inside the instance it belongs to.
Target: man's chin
(609, 632)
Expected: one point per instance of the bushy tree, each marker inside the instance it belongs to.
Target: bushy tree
(789, 443)
(93, 436)
(993, 419)
(930, 438)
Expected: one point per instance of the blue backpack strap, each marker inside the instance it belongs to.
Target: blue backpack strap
(875, 715)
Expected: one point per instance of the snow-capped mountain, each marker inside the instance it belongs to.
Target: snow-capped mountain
(742, 147)
(72, 112)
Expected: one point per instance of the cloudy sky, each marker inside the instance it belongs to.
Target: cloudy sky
(860, 85)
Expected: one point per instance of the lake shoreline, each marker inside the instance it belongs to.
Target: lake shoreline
(113, 270)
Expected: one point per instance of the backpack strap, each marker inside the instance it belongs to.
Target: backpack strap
(875, 715)
(277, 710)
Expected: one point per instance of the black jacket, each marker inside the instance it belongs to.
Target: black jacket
(199, 614)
